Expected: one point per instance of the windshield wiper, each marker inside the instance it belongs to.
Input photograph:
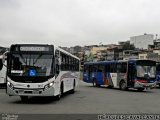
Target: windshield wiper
(34, 62)
(25, 61)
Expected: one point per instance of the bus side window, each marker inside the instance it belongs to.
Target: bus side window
(123, 67)
(62, 61)
(90, 69)
(132, 70)
(57, 67)
(108, 68)
(119, 67)
(77, 65)
(84, 70)
(94, 68)
(113, 68)
(101, 68)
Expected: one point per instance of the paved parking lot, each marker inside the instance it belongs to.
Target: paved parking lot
(86, 100)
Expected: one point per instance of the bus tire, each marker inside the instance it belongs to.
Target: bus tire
(58, 97)
(123, 85)
(140, 89)
(24, 98)
(95, 84)
(74, 85)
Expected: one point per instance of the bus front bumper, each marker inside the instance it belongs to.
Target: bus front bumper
(30, 92)
(145, 85)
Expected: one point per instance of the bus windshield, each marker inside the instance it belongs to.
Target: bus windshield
(31, 65)
(146, 69)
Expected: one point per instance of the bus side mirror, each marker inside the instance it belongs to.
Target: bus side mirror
(59, 61)
(4, 58)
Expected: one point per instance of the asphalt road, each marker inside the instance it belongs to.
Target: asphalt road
(86, 100)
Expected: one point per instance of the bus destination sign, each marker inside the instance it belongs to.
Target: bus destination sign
(34, 48)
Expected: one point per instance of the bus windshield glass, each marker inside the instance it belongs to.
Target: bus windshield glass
(31, 65)
(146, 68)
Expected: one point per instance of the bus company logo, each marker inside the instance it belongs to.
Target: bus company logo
(128, 117)
(9, 117)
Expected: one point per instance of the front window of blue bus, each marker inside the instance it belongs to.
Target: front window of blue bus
(32, 65)
(146, 69)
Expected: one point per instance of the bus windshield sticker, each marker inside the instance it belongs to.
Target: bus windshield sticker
(32, 72)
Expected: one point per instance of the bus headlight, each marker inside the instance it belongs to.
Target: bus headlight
(10, 85)
(48, 85)
(51, 84)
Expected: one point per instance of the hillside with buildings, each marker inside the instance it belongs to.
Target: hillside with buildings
(138, 47)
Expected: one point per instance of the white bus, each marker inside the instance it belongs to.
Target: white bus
(40, 70)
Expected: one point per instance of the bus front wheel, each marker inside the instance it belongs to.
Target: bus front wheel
(24, 98)
(74, 85)
(123, 85)
(58, 97)
(95, 84)
(140, 89)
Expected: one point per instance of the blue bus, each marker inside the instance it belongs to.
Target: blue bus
(124, 74)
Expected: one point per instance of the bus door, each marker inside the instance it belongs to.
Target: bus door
(108, 79)
(158, 73)
(100, 74)
(87, 73)
(131, 74)
(90, 73)
(113, 73)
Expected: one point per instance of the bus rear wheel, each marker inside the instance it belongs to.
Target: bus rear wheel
(123, 85)
(140, 89)
(74, 85)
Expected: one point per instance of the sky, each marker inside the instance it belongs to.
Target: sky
(76, 22)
